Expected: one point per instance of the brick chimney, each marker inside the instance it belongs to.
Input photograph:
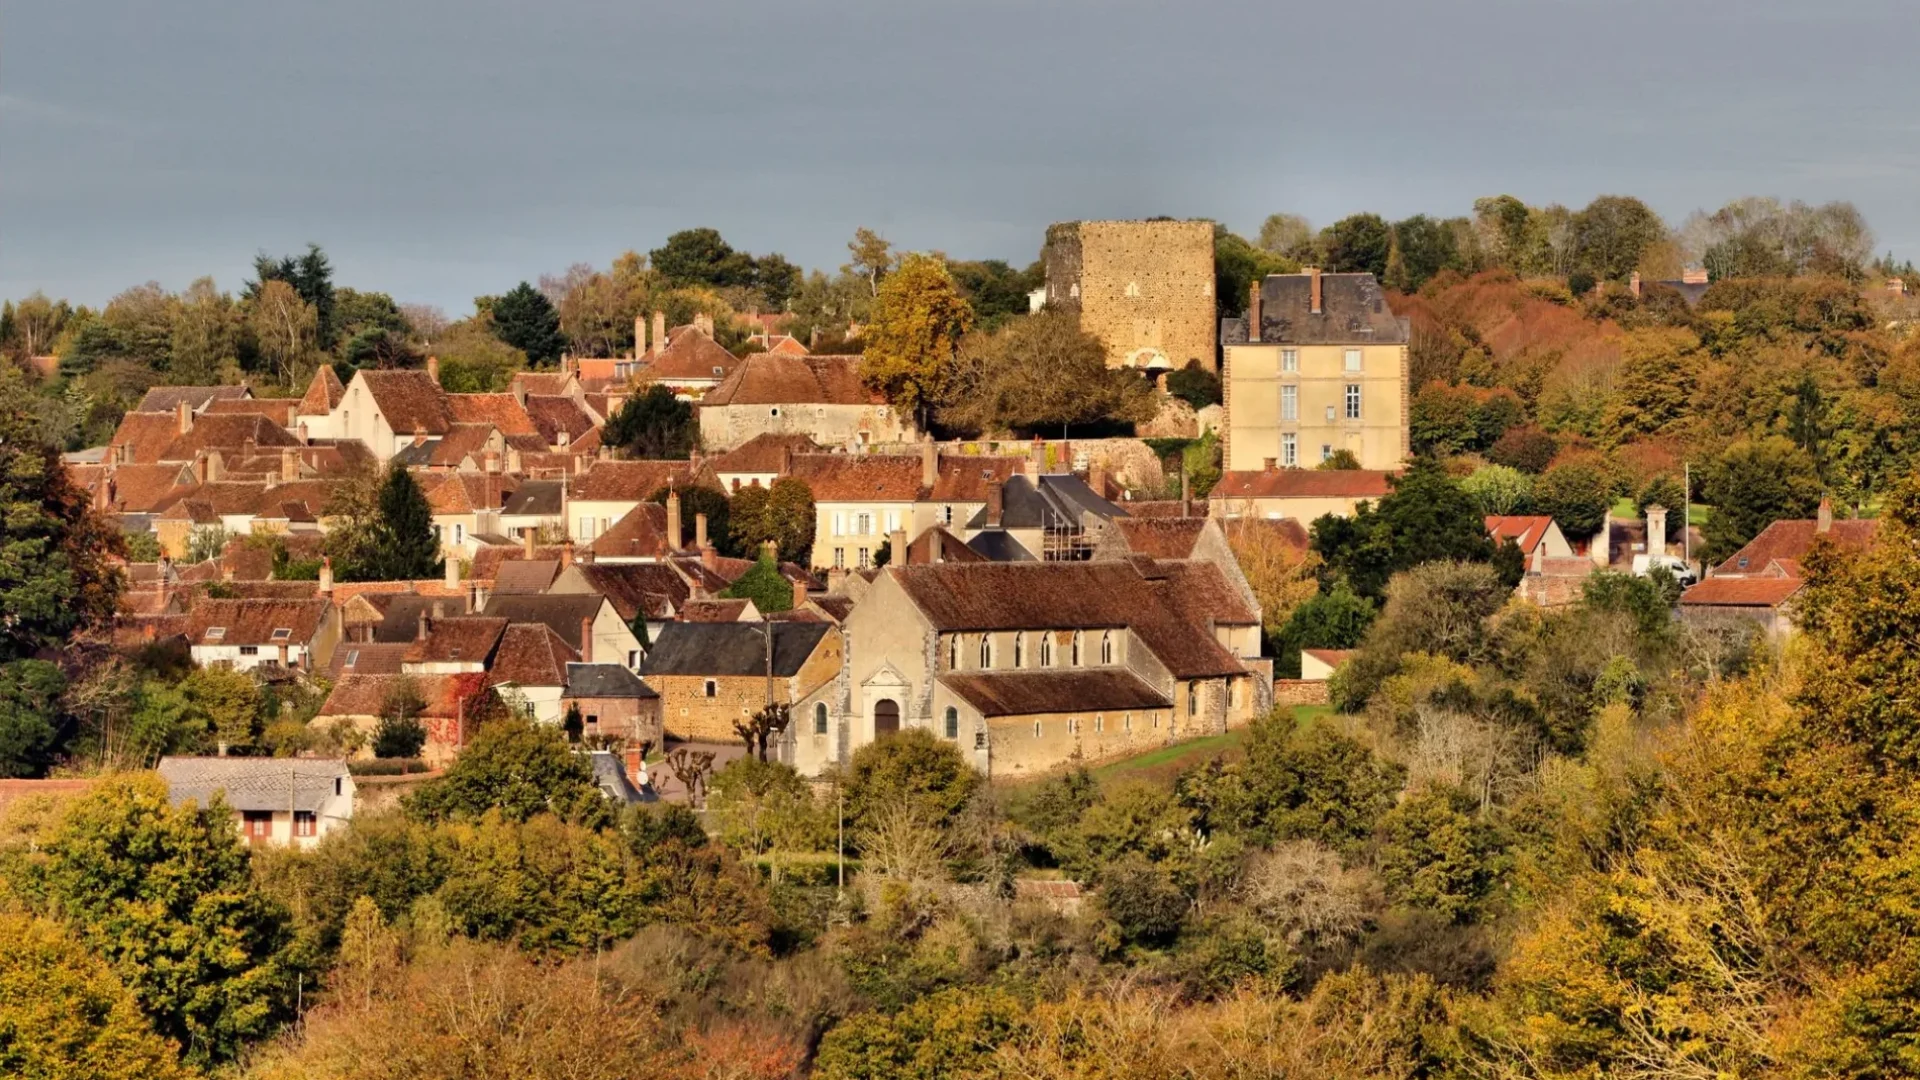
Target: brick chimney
(710, 557)
(450, 574)
(659, 332)
(703, 322)
(897, 548)
(185, 417)
(700, 530)
(420, 629)
(1823, 517)
(799, 593)
(326, 576)
(636, 766)
(996, 503)
(1253, 312)
(566, 553)
(586, 639)
(929, 462)
(673, 521)
(1036, 459)
(1656, 531)
(1270, 463)
(837, 581)
(1313, 289)
(639, 336)
(527, 537)
(289, 464)
(433, 369)
(1097, 478)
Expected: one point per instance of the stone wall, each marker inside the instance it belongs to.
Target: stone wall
(1016, 749)
(1299, 692)
(1129, 462)
(1144, 287)
(688, 714)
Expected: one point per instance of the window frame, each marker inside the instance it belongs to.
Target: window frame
(1353, 401)
(1290, 403)
(1351, 361)
(1289, 449)
(1290, 360)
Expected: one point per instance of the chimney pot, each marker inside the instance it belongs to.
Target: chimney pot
(1253, 311)
(184, 417)
(673, 521)
(659, 332)
(527, 538)
(929, 462)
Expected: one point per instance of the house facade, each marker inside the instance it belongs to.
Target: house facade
(711, 675)
(821, 397)
(274, 801)
(1318, 365)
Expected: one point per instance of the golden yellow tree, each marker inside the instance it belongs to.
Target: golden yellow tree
(919, 316)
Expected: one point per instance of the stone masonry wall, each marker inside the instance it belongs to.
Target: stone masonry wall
(1299, 692)
(1144, 287)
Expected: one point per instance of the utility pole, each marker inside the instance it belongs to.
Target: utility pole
(1686, 511)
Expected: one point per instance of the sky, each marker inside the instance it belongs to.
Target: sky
(443, 149)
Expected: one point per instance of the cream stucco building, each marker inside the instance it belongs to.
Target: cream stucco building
(1318, 365)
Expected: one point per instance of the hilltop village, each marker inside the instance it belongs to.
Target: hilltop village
(1395, 636)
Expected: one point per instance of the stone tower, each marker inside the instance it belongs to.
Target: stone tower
(1145, 288)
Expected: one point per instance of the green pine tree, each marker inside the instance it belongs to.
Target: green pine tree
(406, 549)
(526, 320)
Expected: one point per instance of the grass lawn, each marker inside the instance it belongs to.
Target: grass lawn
(1162, 764)
(1624, 510)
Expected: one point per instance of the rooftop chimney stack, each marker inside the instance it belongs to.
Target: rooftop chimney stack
(420, 630)
(185, 416)
(799, 594)
(700, 530)
(1656, 531)
(897, 548)
(996, 503)
(1037, 460)
(710, 557)
(216, 466)
(1313, 289)
(586, 639)
(659, 332)
(1823, 518)
(1186, 494)
(929, 462)
(673, 521)
(433, 369)
(326, 576)
(527, 539)
(837, 581)
(639, 336)
(704, 323)
(450, 574)
(1253, 312)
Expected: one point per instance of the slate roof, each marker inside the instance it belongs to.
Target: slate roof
(998, 545)
(254, 621)
(769, 378)
(560, 612)
(1353, 311)
(281, 784)
(1158, 602)
(541, 498)
(1054, 690)
(605, 681)
(937, 545)
(409, 400)
(401, 611)
(722, 649)
(1302, 484)
(167, 399)
(610, 774)
(1060, 500)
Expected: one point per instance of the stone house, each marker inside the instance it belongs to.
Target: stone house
(1050, 517)
(530, 666)
(613, 702)
(246, 634)
(861, 500)
(821, 397)
(1317, 365)
(760, 460)
(283, 801)
(691, 364)
(1022, 665)
(387, 410)
(445, 705)
(609, 491)
(1760, 581)
(710, 675)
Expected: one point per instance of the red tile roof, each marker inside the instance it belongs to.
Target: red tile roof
(1791, 540)
(457, 639)
(446, 696)
(1163, 538)
(1526, 531)
(966, 477)
(146, 435)
(860, 477)
(503, 411)
(764, 453)
(690, 355)
(543, 382)
(1302, 484)
(282, 411)
(1741, 592)
(658, 589)
(555, 415)
(630, 481)
(467, 492)
(705, 611)
(253, 622)
(777, 379)
(323, 393)
(1331, 657)
(640, 534)
(531, 655)
(409, 400)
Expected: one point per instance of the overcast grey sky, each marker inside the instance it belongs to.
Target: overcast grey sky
(440, 149)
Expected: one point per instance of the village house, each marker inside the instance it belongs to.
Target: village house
(861, 500)
(651, 591)
(760, 461)
(246, 634)
(1025, 665)
(444, 705)
(1049, 517)
(609, 491)
(1301, 494)
(1536, 535)
(711, 675)
(281, 801)
(530, 668)
(1759, 582)
(613, 703)
(692, 362)
(1317, 365)
(821, 397)
(585, 622)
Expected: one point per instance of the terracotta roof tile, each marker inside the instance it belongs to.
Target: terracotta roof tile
(554, 416)
(1741, 591)
(714, 611)
(503, 411)
(324, 393)
(640, 534)
(166, 399)
(254, 622)
(457, 639)
(531, 655)
(1526, 531)
(777, 379)
(1791, 540)
(1162, 538)
(227, 434)
(966, 477)
(487, 560)
(1331, 657)
(860, 477)
(145, 435)
(446, 696)
(409, 400)
(543, 382)
(630, 481)
(282, 411)
(655, 588)
(468, 492)
(764, 453)
(1302, 484)
(691, 356)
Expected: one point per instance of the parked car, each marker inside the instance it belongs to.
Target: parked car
(1680, 569)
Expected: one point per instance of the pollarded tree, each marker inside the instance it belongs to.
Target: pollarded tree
(163, 893)
(524, 318)
(919, 316)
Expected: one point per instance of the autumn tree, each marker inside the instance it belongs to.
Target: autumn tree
(518, 767)
(65, 1016)
(163, 894)
(783, 513)
(1289, 235)
(1358, 243)
(918, 319)
(286, 328)
(1576, 496)
(871, 257)
(763, 584)
(205, 345)
(1042, 372)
